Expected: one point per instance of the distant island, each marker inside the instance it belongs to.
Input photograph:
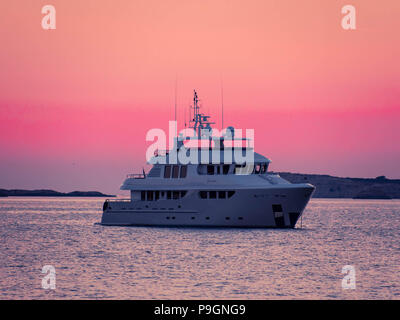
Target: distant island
(355, 188)
(50, 193)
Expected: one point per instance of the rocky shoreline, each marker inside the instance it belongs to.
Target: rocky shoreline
(50, 193)
(356, 188)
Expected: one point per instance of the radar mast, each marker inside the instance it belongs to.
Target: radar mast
(200, 123)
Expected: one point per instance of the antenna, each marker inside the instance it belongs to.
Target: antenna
(199, 121)
(222, 105)
(185, 117)
(176, 89)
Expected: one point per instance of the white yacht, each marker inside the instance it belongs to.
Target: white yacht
(224, 193)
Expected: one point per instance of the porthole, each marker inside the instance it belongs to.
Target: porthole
(227, 218)
(207, 218)
(192, 218)
(240, 218)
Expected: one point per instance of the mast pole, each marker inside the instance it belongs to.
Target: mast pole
(222, 105)
(176, 85)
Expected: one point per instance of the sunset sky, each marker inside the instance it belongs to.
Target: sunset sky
(76, 102)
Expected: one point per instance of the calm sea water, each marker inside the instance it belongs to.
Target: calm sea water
(97, 262)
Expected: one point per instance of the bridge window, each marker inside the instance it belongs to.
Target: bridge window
(213, 194)
(210, 169)
(263, 168)
(225, 169)
(277, 208)
(230, 193)
(175, 172)
(167, 172)
(221, 194)
(183, 171)
(203, 194)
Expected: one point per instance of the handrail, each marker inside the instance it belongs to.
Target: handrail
(118, 200)
(136, 176)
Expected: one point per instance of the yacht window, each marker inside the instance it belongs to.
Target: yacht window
(203, 194)
(221, 195)
(157, 195)
(183, 193)
(277, 208)
(210, 169)
(213, 194)
(263, 168)
(167, 172)
(230, 193)
(218, 170)
(183, 171)
(143, 195)
(175, 195)
(149, 195)
(225, 168)
(175, 172)
(168, 194)
(257, 168)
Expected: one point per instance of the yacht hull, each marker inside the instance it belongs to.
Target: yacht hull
(279, 207)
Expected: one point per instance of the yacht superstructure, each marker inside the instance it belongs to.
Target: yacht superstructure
(223, 191)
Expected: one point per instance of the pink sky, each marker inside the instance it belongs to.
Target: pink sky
(76, 102)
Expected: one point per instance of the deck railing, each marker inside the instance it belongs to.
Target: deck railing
(136, 176)
(118, 200)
